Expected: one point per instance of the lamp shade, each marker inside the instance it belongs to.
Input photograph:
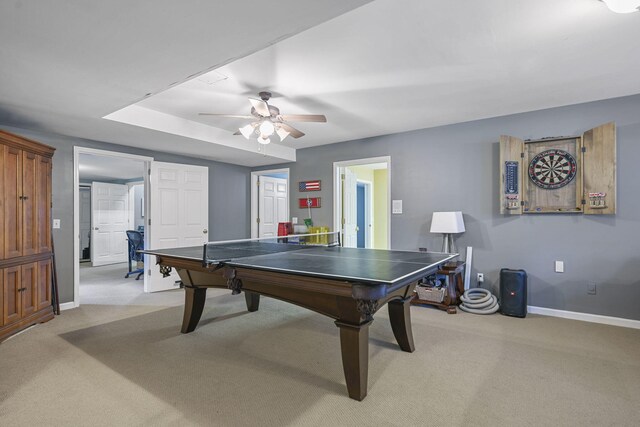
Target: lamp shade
(246, 130)
(447, 222)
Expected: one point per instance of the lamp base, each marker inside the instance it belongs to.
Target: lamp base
(448, 246)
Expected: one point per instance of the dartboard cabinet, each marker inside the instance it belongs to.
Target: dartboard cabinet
(559, 175)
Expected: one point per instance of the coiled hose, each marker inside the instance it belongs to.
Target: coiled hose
(479, 301)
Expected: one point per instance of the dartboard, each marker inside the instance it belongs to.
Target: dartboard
(552, 169)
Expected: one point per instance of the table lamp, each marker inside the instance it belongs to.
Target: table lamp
(447, 223)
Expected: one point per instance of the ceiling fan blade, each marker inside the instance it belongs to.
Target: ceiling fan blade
(233, 116)
(292, 131)
(261, 107)
(303, 118)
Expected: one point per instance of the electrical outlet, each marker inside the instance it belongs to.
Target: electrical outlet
(56, 223)
(480, 277)
(591, 288)
(294, 220)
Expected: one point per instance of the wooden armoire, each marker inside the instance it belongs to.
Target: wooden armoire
(25, 233)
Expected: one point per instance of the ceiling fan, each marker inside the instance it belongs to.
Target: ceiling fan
(267, 120)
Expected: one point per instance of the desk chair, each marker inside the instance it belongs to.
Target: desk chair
(136, 243)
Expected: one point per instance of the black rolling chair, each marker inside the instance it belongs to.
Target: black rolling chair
(136, 243)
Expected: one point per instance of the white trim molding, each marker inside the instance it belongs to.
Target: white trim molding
(337, 190)
(68, 306)
(77, 151)
(254, 195)
(585, 317)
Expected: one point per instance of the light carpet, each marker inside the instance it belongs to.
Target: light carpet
(130, 365)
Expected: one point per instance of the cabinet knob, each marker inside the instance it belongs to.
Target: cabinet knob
(205, 231)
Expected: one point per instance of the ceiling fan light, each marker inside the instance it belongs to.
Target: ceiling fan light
(622, 6)
(267, 128)
(246, 131)
(282, 133)
(263, 141)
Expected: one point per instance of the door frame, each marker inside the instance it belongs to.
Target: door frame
(77, 151)
(79, 187)
(368, 212)
(255, 195)
(132, 201)
(337, 189)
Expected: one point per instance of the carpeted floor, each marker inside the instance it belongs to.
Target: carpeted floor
(113, 364)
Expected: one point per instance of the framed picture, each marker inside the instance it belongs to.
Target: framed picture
(309, 185)
(309, 202)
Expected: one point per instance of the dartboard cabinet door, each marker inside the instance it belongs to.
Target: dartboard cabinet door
(511, 157)
(599, 170)
(574, 174)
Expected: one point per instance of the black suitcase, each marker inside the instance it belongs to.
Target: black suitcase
(513, 292)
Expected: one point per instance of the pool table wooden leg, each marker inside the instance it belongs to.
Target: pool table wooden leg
(400, 317)
(354, 343)
(193, 305)
(252, 299)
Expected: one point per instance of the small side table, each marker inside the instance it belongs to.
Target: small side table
(455, 288)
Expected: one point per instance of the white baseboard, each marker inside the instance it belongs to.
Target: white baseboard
(585, 317)
(574, 315)
(67, 306)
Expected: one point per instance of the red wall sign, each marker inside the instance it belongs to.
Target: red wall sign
(311, 202)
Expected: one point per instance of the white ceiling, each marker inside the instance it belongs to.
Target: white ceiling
(385, 67)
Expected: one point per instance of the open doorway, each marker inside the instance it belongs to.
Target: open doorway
(269, 201)
(361, 202)
(109, 205)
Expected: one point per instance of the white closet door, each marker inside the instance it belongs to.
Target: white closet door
(109, 221)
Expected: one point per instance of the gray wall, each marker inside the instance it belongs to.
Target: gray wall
(138, 197)
(228, 199)
(456, 168)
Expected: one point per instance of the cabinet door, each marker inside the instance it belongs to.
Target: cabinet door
(44, 284)
(29, 288)
(29, 226)
(511, 175)
(12, 190)
(1, 291)
(11, 294)
(2, 206)
(599, 170)
(43, 204)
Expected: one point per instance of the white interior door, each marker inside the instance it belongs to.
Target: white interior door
(273, 205)
(350, 209)
(109, 221)
(178, 215)
(85, 218)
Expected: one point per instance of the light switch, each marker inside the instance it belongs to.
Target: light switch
(559, 266)
(56, 223)
(396, 206)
